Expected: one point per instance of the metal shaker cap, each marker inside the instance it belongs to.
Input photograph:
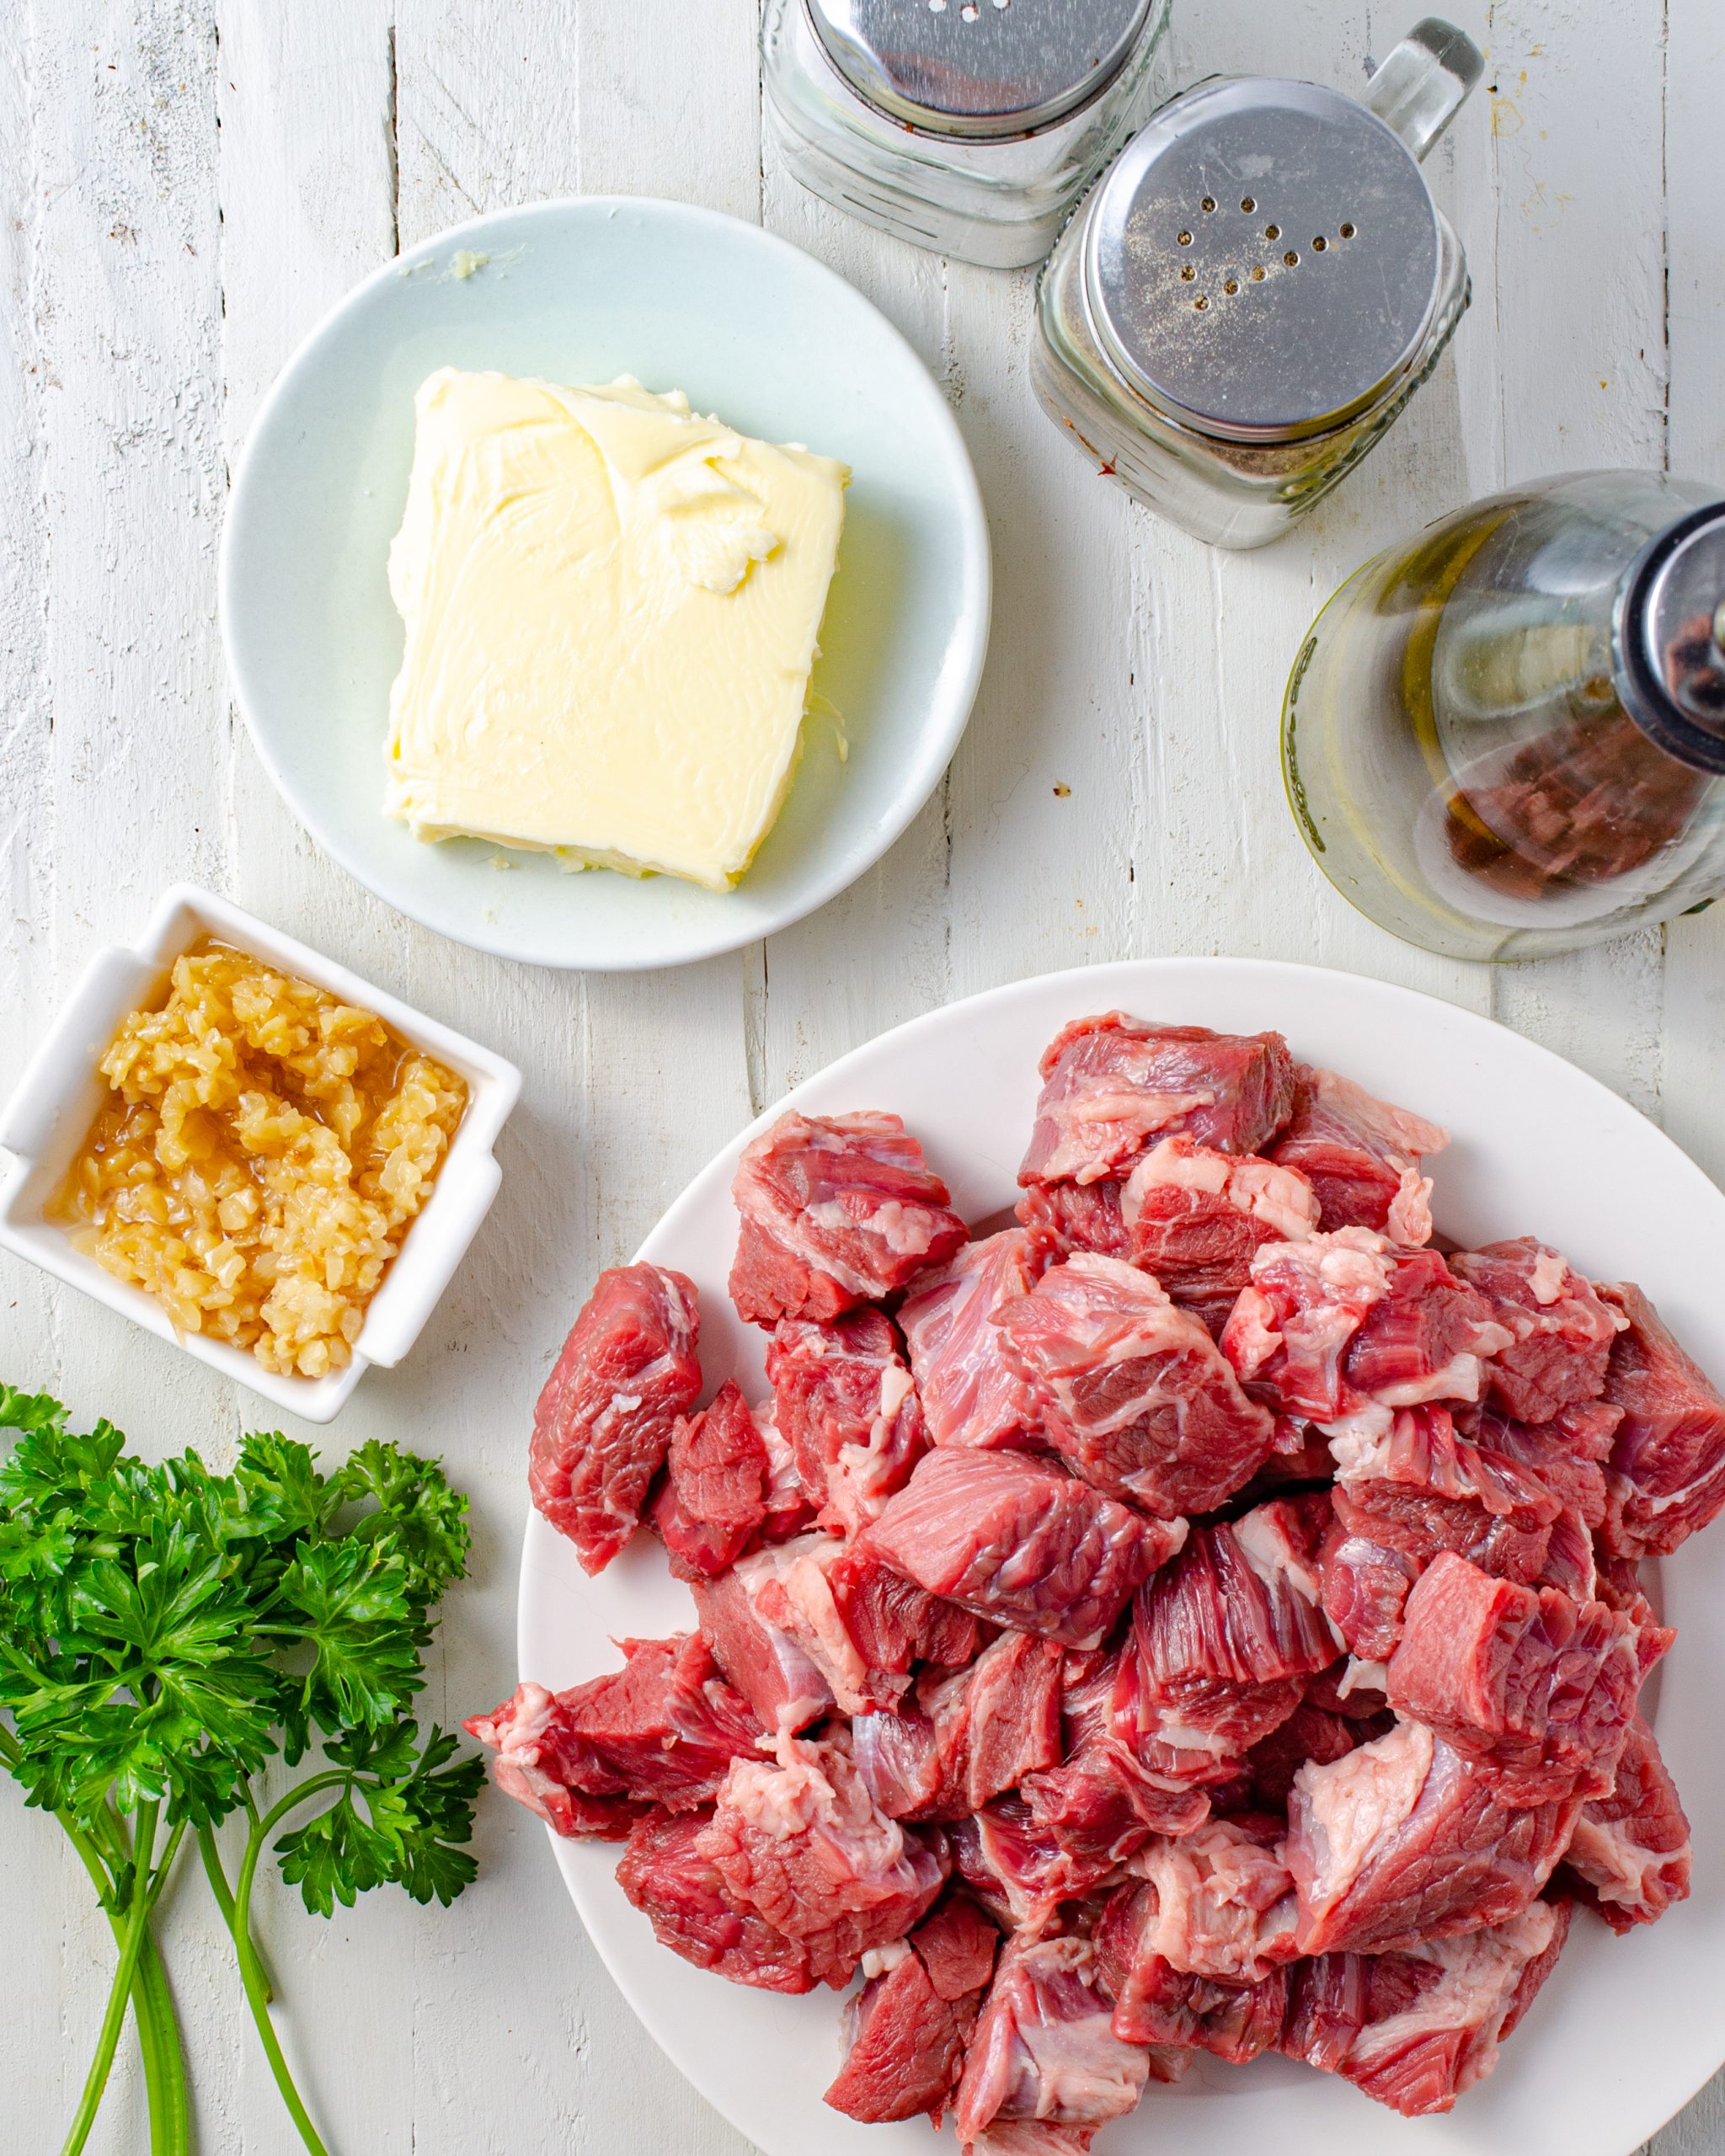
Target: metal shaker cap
(1264, 260)
(980, 70)
(1671, 639)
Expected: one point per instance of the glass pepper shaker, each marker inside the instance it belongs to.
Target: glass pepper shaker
(1508, 737)
(969, 127)
(1254, 289)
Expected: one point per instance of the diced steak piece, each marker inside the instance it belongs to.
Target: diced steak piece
(836, 1210)
(846, 1405)
(1419, 1488)
(1223, 1639)
(766, 1664)
(1417, 2029)
(1562, 1331)
(1630, 1857)
(603, 1421)
(1403, 1842)
(1080, 1215)
(1236, 2022)
(971, 1394)
(907, 2029)
(1666, 1476)
(788, 1511)
(801, 1843)
(665, 1875)
(895, 1622)
(714, 1499)
(1021, 1869)
(1311, 1733)
(1365, 1590)
(1020, 1545)
(536, 1757)
(1218, 1903)
(1522, 1679)
(1566, 1456)
(1570, 1565)
(903, 2045)
(969, 1736)
(662, 1730)
(1099, 1805)
(1031, 2137)
(1347, 1325)
(1112, 1083)
(1620, 1587)
(1361, 1156)
(1195, 1216)
(1044, 2048)
(1137, 1397)
(798, 1600)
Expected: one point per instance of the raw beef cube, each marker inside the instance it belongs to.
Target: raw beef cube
(537, 1757)
(1311, 1733)
(1361, 1156)
(969, 1736)
(1218, 1903)
(800, 1842)
(1222, 1641)
(1031, 2137)
(1522, 1679)
(798, 1600)
(1419, 1488)
(1137, 1397)
(1570, 1565)
(1021, 1870)
(1562, 1331)
(1044, 2048)
(971, 1394)
(1566, 1456)
(766, 1664)
(662, 1730)
(1346, 1326)
(836, 1210)
(1404, 1842)
(895, 1622)
(788, 1511)
(904, 2044)
(907, 2029)
(1417, 2029)
(846, 1405)
(1080, 1215)
(1630, 1859)
(1195, 1216)
(1236, 2022)
(665, 1875)
(1620, 1587)
(1668, 1460)
(1365, 1590)
(1112, 1083)
(603, 1421)
(1099, 1805)
(715, 1498)
(1019, 1544)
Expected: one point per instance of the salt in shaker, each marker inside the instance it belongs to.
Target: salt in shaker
(969, 127)
(1252, 293)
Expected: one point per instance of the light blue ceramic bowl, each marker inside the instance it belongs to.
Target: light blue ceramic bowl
(581, 291)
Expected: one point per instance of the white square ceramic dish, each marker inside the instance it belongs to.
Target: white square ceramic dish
(60, 1090)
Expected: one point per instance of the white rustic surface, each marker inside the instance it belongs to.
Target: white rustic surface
(185, 186)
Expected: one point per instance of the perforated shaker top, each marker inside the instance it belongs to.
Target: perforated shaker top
(978, 69)
(1263, 259)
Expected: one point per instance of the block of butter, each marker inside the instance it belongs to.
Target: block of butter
(612, 606)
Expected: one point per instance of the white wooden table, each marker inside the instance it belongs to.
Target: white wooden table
(185, 185)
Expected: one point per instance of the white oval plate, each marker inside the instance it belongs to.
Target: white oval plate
(1626, 2030)
(583, 291)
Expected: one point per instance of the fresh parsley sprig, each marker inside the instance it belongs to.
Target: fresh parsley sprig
(166, 1633)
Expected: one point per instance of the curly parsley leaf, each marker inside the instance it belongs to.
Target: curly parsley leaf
(418, 1515)
(401, 1820)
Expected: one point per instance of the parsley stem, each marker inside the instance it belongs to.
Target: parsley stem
(135, 1932)
(251, 1969)
(217, 1874)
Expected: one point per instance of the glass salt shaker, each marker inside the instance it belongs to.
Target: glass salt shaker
(969, 127)
(1506, 738)
(1252, 293)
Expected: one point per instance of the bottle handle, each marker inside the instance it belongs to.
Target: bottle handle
(1422, 84)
